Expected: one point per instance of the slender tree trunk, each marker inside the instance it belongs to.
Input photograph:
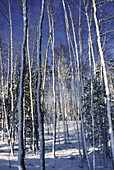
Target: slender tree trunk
(62, 104)
(8, 70)
(65, 104)
(2, 88)
(78, 84)
(8, 78)
(80, 88)
(24, 124)
(105, 79)
(90, 69)
(81, 80)
(90, 39)
(45, 63)
(74, 35)
(54, 102)
(51, 27)
(76, 73)
(44, 77)
(80, 91)
(92, 115)
(58, 119)
(40, 114)
(2, 124)
(12, 102)
(15, 96)
(21, 165)
(4, 114)
(31, 98)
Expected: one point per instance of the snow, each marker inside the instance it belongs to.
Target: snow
(67, 155)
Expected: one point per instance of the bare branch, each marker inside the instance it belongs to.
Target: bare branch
(106, 32)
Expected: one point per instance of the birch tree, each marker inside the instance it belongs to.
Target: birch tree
(40, 114)
(11, 86)
(105, 78)
(4, 113)
(21, 165)
(31, 96)
(78, 78)
(51, 27)
(90, 50)
(75, 53)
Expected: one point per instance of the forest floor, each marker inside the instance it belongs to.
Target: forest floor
(67, 155)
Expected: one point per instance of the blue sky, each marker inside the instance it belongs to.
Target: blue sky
(60, 30)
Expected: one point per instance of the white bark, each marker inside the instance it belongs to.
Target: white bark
(75, 54)
(4, 114)
(65, 104)
(8, 70)
(40, 115)
(80, 88)
(31, 98)
(51, 27)
(90, 69)
(11, 42)
(3, 100)
(62, 99)
(90, 39)
(105, 79)
(45, 63)
(78, 81)
(81, 81)
(21, 165)
(54, 107)
(91, 103)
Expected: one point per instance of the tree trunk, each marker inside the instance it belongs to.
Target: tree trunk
(54, 102)
(74, 35)
(40, 114)
(90, 73)
(51, 29)
(62, 103)
(12, 102)
(78, 81)
(21, 165)
(31, 98)
(4, 114)
(105, 79)
(90, 39)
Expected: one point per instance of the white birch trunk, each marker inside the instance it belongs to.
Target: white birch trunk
(45, 63)
(3, 98)
(90, 69)
(51, 27)
(81, 81)
(78, 81)
(31, 98)
(8, 70)
(40, 115)
(75, 81)
(4, 114)
(90, 39)
(11, 42)
(61, 99)
(54, 107)
(105, 79)
(80, 88)
(92, 103)
(21, 165)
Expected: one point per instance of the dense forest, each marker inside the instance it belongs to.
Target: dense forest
(57, 83)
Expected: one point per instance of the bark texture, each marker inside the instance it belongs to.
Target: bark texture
(21, 165)
(40, 114)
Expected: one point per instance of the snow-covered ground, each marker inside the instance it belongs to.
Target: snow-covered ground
(67, 156)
